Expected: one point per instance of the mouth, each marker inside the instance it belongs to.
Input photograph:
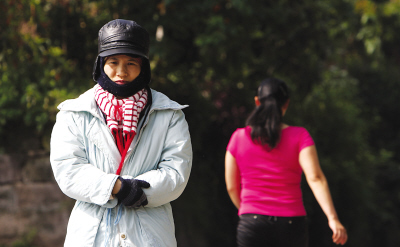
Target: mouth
(121, 82)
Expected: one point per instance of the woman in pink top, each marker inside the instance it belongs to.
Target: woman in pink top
(263, 167)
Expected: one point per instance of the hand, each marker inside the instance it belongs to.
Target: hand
(131, 193)
(339, 232)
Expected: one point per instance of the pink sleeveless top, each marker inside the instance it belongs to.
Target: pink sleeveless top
(270, 180)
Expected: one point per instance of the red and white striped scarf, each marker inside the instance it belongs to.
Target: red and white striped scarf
(122, 116)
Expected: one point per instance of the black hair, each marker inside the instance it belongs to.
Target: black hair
(265, 120)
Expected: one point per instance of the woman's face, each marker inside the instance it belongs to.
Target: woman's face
(122, 69)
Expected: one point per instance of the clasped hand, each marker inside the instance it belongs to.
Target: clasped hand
(131, 193)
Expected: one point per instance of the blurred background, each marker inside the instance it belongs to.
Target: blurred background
(340, 58)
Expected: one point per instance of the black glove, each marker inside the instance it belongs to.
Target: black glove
(131, 193)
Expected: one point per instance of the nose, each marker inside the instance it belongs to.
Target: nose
(122, 71)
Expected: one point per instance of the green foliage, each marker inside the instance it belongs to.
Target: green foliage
(332, 112)
(26, 240)
(35, 74)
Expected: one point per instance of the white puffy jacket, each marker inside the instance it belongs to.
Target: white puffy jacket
(84, 159)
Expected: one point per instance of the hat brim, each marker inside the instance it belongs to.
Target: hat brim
(117, 51)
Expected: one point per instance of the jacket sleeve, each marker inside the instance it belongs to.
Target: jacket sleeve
(170, 179)
(76, 177)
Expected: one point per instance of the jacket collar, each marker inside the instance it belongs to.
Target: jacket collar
(86, 102)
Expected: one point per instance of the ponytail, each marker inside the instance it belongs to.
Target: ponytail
(265, 121)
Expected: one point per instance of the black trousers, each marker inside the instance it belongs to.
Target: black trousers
(256, 230)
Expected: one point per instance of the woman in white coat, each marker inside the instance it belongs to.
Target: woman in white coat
(121, 150)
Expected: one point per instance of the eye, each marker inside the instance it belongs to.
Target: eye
(111, 63)
(133, 63)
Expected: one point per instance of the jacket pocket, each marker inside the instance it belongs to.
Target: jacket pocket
(157, 225)
(83, 224)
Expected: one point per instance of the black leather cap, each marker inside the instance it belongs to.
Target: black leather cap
(122, 37)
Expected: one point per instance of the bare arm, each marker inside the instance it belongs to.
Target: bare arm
(232, 179)
(319, 185)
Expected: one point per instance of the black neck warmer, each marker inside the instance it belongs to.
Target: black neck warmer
(123, 91)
